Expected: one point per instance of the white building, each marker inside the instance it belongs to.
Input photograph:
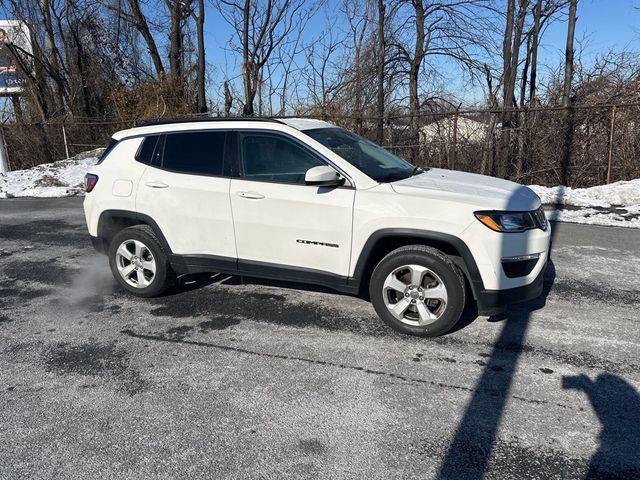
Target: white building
(441, 130)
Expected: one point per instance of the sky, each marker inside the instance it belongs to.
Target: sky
(604, 24)
(601, 25)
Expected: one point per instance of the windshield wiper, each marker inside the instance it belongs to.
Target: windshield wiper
(394, 177)
(389, 178)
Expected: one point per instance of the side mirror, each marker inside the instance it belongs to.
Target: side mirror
(323, 176)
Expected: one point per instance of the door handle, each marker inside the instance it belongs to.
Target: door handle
(156, 184)
(251, 195)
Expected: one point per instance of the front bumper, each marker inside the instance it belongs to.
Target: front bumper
(493, 301)
(490, 248)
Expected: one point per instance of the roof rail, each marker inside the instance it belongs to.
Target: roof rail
(170, 121)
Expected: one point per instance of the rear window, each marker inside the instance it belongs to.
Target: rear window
(199, 153)
(145, 152)
(106, 151)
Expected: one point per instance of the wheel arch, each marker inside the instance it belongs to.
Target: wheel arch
(112, 221)
(381, 242)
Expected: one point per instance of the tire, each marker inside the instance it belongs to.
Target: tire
(418, 290)
(147, 262)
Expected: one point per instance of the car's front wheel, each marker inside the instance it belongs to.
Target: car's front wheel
(139, 263)
(418, 290)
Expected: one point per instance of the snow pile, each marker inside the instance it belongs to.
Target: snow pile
(616, 204)
(59, 179)
(614, 194)
(617, 217)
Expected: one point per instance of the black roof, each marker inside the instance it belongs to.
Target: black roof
(170, 121)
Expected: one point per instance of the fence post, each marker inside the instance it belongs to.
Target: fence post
(64, 137)
(611, 132)
(454, 153)
(4, 159)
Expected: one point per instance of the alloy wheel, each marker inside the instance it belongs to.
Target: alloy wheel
(415, 295)
(135, 263)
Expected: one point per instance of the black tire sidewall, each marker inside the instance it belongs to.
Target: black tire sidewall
(161, 280)
(442, 267)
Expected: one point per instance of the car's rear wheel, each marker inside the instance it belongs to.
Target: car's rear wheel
(139, 263)
(418, 290)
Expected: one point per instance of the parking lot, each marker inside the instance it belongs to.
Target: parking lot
(231, 377)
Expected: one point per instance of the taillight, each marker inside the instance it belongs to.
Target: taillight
(90, 181)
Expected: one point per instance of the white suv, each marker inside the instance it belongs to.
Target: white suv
(306, 201)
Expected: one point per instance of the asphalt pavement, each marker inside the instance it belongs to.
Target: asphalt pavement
(230, 377)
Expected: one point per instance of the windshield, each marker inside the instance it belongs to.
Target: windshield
(372, 160)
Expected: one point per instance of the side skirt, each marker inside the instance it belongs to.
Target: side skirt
(210, 263)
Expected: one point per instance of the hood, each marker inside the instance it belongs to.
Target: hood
(481, 191)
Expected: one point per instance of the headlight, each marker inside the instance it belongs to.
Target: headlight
(510, 222)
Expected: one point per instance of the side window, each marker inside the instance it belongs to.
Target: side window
(275, 158)
(145, 152)
(156, 159)
(199, 153)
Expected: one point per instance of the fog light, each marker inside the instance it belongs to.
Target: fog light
(520, 265)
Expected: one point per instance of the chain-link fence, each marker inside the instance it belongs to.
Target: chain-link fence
(581, 146)
(32, 144)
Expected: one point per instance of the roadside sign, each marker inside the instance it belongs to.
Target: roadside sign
(15, 52)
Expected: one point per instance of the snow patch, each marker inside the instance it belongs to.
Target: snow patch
(615, 194)
(59, 179)
(616, 204)
(628, 217)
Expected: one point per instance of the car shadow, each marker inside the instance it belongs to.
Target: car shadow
(195, 281)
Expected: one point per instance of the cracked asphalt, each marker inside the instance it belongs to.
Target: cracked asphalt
(231, 377)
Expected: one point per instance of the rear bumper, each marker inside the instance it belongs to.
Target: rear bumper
(492, 301)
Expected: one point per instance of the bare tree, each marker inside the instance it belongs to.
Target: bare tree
(281, 68)
(380, 70)
(200, 76)
(228, 99)
(53, 55)
(566, 93)
(542, 14)
(178, 10)
(324, 75)
(358, 17)
(511, 44)
(137, 18)
(260, 26)
(533, 53)
(446, 28)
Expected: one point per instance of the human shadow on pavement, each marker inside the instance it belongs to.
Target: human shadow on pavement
(617, 405)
